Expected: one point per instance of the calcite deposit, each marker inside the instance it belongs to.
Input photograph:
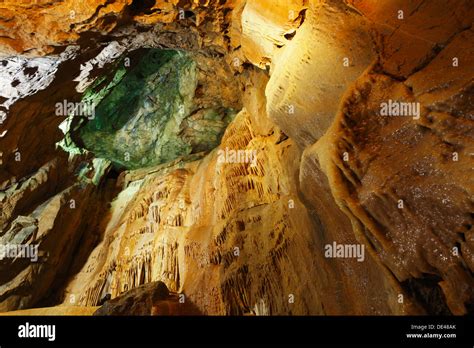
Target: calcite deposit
(242, 157)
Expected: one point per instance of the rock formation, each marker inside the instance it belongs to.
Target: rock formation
(251, 157)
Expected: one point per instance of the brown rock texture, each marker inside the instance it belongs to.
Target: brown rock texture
(324, 165)
(148, 299)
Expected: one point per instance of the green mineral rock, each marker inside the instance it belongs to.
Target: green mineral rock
(147, 116)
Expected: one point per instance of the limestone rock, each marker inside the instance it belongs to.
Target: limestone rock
(309, 76)
(138, 301)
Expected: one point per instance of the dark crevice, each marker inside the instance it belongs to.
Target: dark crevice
(283, 137)
(301, 17)
(428, 294)
(141, 7)
(30, 71)
(290, 36)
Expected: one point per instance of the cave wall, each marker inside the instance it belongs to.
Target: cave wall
(238, 238)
